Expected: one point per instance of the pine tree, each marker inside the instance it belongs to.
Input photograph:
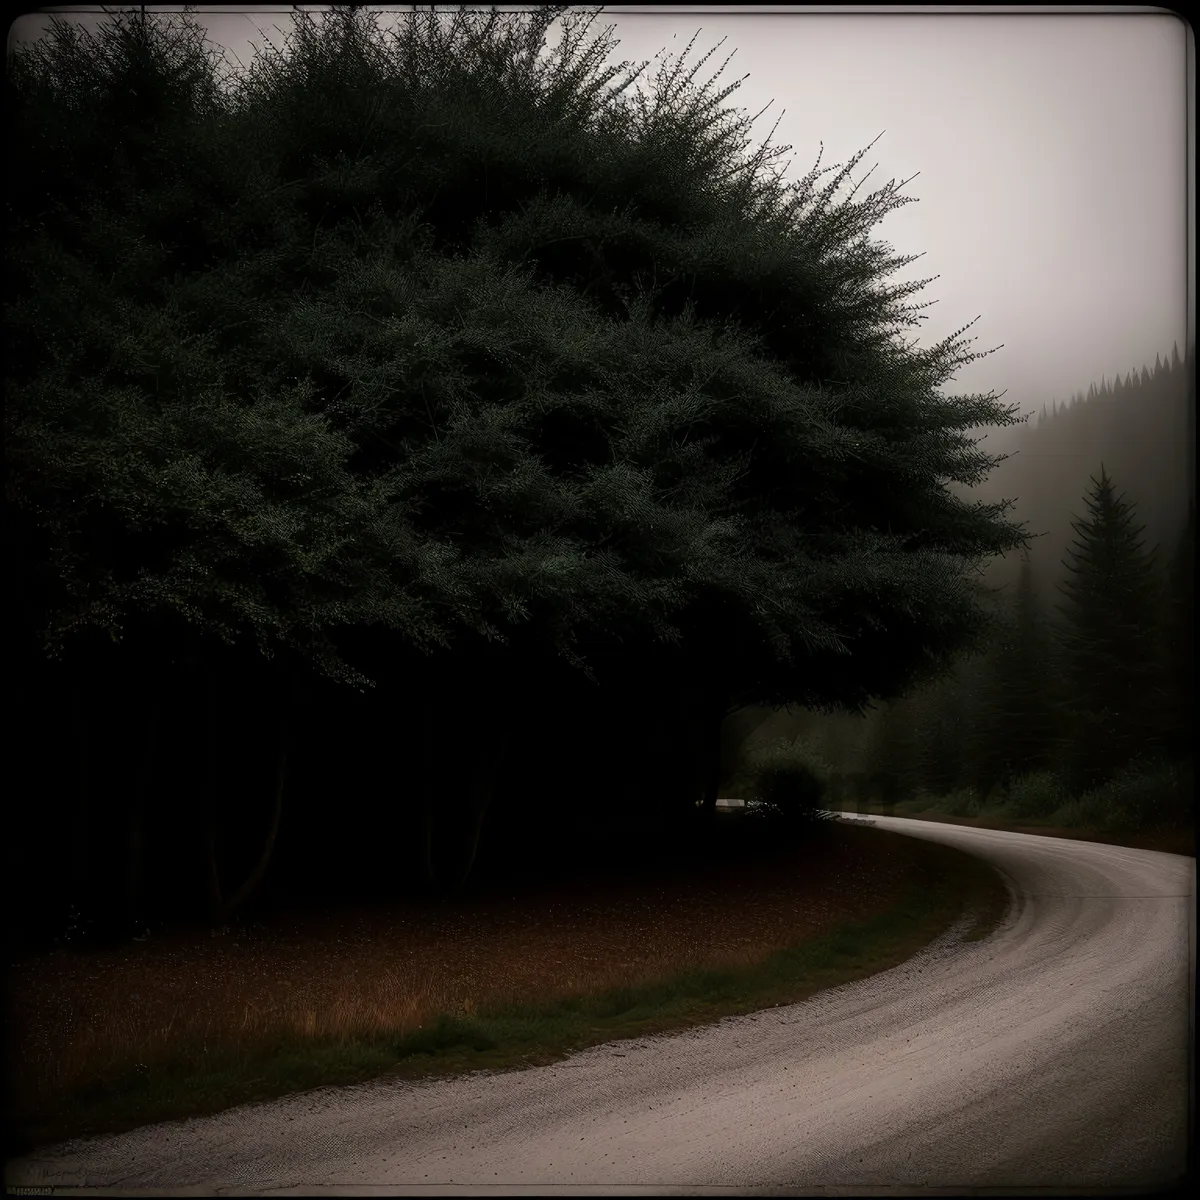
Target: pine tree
(1107, 642)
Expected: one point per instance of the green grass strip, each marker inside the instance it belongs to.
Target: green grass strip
(946, 883)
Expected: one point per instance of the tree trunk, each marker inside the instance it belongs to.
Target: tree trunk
(209, 802)
(715, 714)
(425, 800)
(859, 781)
(134, 882)
(264, 859)
(479, 792)
(676, 770)
(80, 822)
(220, 906)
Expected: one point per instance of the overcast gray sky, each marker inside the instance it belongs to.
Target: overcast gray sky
(1052, 149)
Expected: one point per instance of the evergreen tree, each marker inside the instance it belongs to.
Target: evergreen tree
(445, 361)
(150, 488)
(1107, 642)
(530, 388)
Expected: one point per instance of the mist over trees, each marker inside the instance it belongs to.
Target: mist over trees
(419, 443)
(1015, 728)
(1142, 428)
(1090, 668)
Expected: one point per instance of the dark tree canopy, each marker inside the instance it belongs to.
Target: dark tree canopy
(435, 336)
(466, 377)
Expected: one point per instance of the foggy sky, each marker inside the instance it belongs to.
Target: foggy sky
(1052, 151)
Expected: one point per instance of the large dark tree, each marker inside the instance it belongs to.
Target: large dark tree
(440, 361)
(1107, 637)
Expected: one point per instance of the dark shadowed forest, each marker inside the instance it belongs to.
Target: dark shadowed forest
(405, 489)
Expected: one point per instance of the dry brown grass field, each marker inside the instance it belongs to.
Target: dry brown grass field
(79, 1017)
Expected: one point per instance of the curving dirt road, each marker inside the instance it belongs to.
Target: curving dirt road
(1052, 1055)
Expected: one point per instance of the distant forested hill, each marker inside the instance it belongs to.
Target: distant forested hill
(1139, 427)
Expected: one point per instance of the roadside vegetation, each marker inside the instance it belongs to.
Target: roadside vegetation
(1147, 804)
(189, 1023)
(1076, 720)
(782, 772)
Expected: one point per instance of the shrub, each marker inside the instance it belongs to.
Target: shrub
(1143, 795)
(920, 801)
(790, 792)
(1037, 794)
(997, 797)
(788, 751)
(964, 802)
(1090, 811)
(787, 784)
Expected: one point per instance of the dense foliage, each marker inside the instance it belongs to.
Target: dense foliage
(436, 362)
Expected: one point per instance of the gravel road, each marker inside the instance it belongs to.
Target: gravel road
(1053, 1055)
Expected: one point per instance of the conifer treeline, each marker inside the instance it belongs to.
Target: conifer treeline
(1095, 681)
(1137, 426)
(1166, 373)
(1091, 665)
